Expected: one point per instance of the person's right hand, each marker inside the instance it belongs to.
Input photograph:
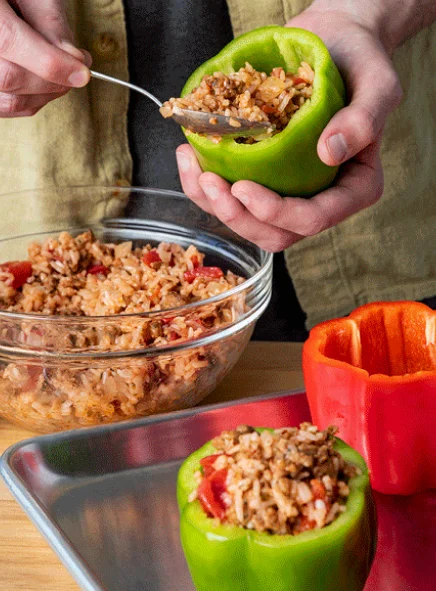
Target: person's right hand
(38, 60)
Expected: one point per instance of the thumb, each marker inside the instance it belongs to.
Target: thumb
(49, 18)
(358, 125)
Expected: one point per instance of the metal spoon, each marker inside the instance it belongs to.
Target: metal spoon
(198, 121)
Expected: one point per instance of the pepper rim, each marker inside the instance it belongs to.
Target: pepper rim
(318, 335)
(323, 60)
(196, 516)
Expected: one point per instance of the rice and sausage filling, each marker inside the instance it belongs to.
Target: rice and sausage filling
(249, 94)
(79, 277)
(285, 481)
(82, 276)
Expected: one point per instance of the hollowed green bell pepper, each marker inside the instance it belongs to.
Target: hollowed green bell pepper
(229, 558)
(287, 162)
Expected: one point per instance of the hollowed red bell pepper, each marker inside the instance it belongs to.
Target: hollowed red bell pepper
(373, 374)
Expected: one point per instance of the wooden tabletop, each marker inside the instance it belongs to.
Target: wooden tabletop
(27, 563)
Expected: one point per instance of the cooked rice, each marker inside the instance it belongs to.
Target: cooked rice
(284, 482)
(249, 94)
(81, 277)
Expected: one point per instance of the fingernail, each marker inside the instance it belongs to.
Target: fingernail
(337, 146)
(80, 54)
(71, 49)
(210, 190)
(79, 78)
(87, 57)
(183, 161)
(243, 198)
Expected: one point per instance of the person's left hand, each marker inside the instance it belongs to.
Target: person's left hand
(352, 138)
(273, 222)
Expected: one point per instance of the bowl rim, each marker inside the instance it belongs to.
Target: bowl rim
(241, 324)
(63, 319)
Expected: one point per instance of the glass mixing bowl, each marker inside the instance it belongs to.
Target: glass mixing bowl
(63, 372)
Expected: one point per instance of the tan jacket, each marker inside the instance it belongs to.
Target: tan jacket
(385, 252)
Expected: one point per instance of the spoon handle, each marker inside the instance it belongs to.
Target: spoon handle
(127, 84)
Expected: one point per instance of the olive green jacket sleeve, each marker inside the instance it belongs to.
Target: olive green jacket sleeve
(385, 252)
(80, 139)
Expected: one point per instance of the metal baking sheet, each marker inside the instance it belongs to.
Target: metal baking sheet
(105, 499)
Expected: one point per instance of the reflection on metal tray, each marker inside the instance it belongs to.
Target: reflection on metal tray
(105, 499)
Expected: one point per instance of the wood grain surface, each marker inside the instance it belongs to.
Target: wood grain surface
(27, 563)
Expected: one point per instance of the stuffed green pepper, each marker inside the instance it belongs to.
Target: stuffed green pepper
(284, 76)
(277, 510)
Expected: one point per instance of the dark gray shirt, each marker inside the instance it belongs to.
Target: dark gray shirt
(167, 41)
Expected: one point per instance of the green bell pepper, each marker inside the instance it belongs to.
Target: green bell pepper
(229, 558)
(288, 162)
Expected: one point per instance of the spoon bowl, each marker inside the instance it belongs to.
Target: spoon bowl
(199, 121)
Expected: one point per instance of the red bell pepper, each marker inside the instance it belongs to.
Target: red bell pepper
(21, 270)
(209, 272)
(98, 270)
(151, 256)
(373, 375)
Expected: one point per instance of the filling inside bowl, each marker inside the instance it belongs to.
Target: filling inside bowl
(285, 481)
(84, 277)
(249, 94)
(79, 277)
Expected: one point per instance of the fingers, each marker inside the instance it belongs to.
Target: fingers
(233, 214)
(16, 80)
(273, 222)
(190, 172)
(375, 92)
(359, 185)
(49, 18)
(13, 105)
(213, 195)
(87, 57)
(19, 44)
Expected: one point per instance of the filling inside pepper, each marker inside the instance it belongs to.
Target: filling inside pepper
(249, 94)
(285, 481)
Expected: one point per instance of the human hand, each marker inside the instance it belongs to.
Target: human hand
(353, 137)
(38, 61)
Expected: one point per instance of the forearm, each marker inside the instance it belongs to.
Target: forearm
(393, 21)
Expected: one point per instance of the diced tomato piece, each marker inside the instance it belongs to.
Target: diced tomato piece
(268, 109)
(210, 272)
(173, 335)
(21, 270)
(210, 494)
(207, 464)
(298, 80)
(98, 270)
(190, 275)
(318, 489)
(195, 261)
(34, 372)
(152, 256)
(218, 480)
(305, 524)
(207, 499)
(168, 320)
